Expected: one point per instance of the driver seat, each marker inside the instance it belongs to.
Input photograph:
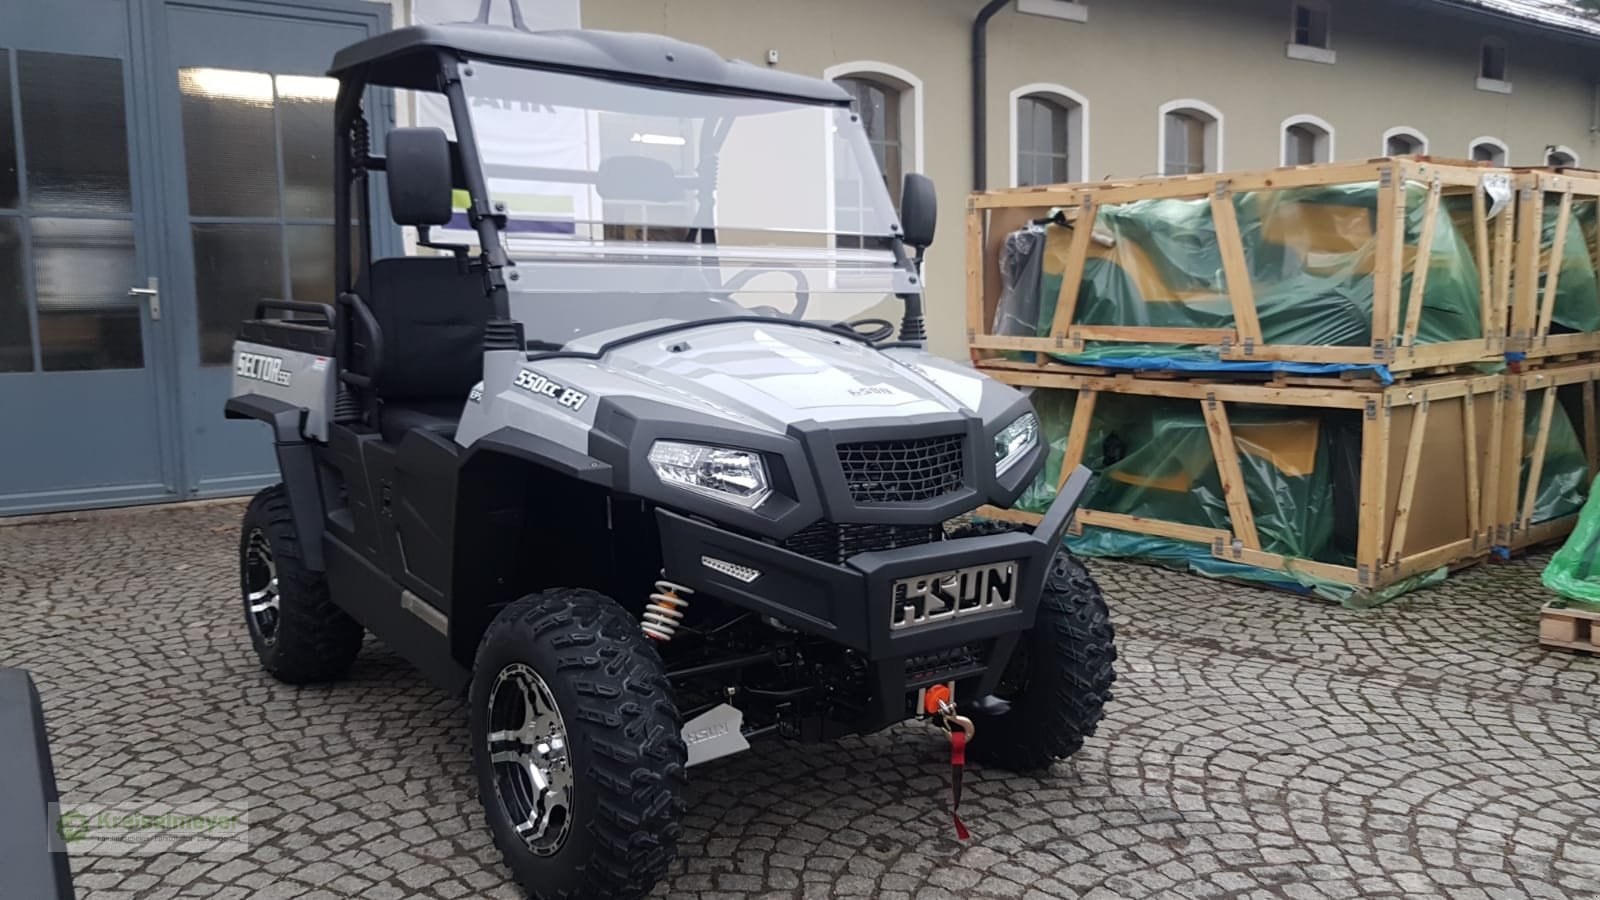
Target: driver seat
(431, 312)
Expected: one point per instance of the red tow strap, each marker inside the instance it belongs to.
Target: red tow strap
(958, 761)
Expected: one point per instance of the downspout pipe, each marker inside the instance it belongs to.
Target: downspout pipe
(980, 92)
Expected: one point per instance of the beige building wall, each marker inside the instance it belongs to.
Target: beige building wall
(1399, 63)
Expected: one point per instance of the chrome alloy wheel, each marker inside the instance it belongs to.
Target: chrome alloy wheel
(528, 750)
(261, 587)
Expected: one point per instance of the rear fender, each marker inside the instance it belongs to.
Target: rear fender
(296, 465)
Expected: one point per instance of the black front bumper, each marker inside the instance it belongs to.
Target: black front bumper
(852, 604)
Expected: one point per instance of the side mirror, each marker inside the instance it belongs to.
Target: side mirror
(919, 210)
(418, 169)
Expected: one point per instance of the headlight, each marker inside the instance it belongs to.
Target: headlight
(733, 476)
(1015, 440)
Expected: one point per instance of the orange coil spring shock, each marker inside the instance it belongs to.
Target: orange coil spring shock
(664, 612)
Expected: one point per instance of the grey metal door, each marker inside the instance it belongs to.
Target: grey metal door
(85, 417)
(247, 181)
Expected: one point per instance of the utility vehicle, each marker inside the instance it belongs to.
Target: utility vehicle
(618, 451)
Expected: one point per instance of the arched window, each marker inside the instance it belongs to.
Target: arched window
(1191, 138)
(1306, 140)
(889, 101)
(878, 104)
(1404, 142)
(1490, 150)
(1559, 157)
(1049, 138)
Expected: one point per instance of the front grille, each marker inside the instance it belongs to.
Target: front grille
(939, 665)
(902, 471)
(835, 543)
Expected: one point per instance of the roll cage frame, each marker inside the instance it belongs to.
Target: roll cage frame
(424, 59)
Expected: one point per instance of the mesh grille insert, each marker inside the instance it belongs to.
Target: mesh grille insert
(835, 543)
(902, 471)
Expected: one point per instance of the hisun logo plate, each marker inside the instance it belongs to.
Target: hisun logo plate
(926, 599)
(534, 383)
(257, 367)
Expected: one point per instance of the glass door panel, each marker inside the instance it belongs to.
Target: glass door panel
(78, 358)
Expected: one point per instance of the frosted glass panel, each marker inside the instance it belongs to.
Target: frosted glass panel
(311, 262)
(234, 266)
(82, 269)
(75, 132)
(8, 138)
(228, 141)
(16, 340)
(305, 115)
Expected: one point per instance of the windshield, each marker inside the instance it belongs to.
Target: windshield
(707, 205)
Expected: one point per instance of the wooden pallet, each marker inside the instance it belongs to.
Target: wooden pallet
(991, 216)
(1565, 628)
(1537, 271)
(1413, 518)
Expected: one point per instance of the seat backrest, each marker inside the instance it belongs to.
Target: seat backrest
(432, 312)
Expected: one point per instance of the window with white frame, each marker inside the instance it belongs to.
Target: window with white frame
(1306, 140)
(1310, 24)
(1404, 142)
(1048, 138)
(878, 104)
(1070, 10)
(887, 102)
(1560, 157)
(1492, 66)
(1190, 138)
(1310, 34)
(1490, 150)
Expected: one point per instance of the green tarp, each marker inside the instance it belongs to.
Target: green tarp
(1564, 477)
(1310, 252)
(1576, 290)
(1574, 572)
(1154, 459)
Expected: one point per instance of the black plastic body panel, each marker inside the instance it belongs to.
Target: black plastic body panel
(289, 335)
(28, 867)
(808, 483)
(296, 465)
(374, 599)
(851, 604)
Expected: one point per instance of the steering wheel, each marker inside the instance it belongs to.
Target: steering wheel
(802, 297)
(880, 329)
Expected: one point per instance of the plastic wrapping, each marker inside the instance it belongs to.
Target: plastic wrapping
(1154, 459)
(1564, 477)
(1021, 259)
(1577, 292)
(1310, 252)
(1574, 571)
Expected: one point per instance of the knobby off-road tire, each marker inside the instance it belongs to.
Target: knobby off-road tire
(300, 636)
(1058, 679)
(624, 763)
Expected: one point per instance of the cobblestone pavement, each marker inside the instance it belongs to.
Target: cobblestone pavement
(1259, 745)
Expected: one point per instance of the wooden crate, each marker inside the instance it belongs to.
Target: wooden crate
(1569, 629)
(1412, 518)
(1532, 306)
(1572, 387)
(991, 216)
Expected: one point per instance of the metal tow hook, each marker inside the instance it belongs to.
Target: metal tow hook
(953, 720)
(960, 728)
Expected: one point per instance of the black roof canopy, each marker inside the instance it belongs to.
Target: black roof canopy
(407, 58)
